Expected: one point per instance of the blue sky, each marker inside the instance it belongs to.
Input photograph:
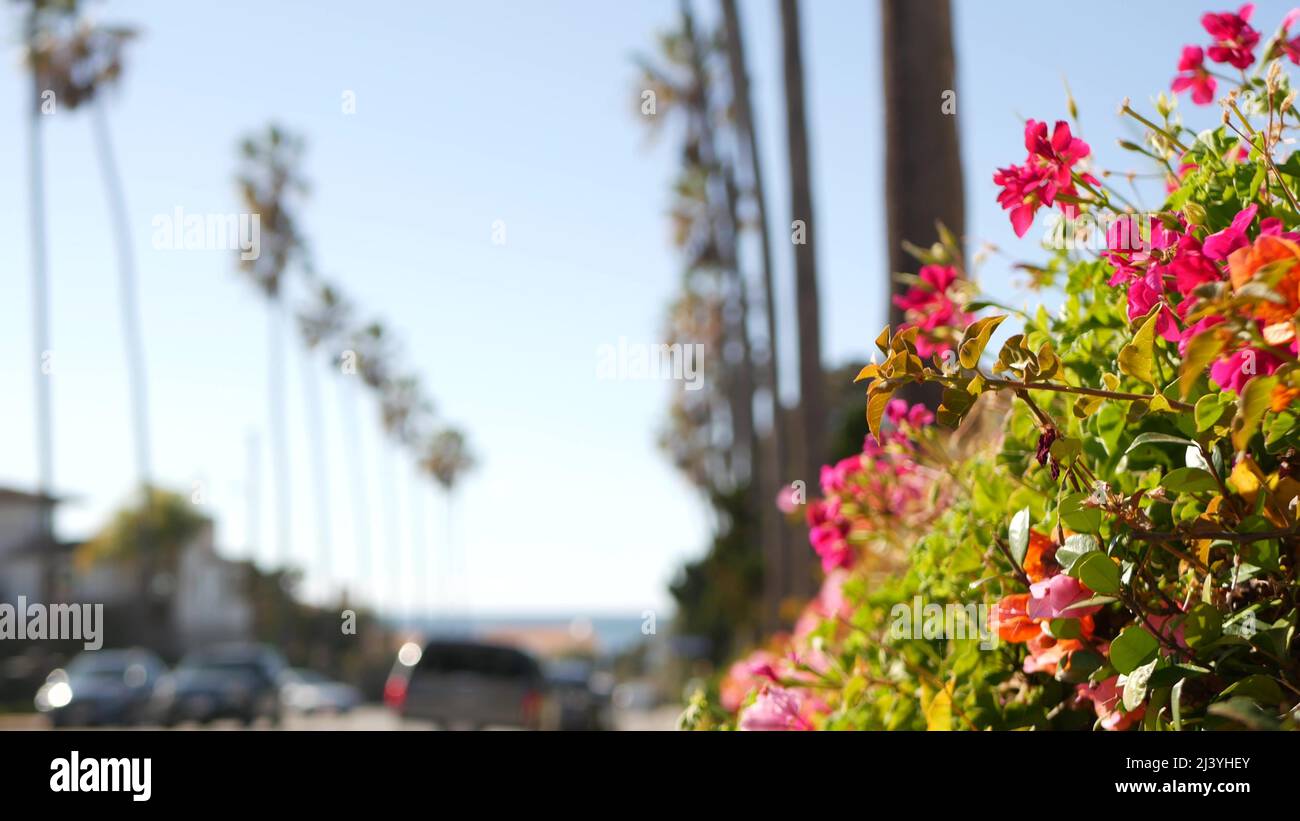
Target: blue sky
(469, 113)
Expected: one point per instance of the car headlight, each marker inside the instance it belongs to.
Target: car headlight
(58, 695)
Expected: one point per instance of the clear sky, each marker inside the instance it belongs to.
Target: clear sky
(469, 113)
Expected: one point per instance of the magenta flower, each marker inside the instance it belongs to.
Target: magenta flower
(1194, 76)
(1047, 172)
(1050, 598)
(1234, 39)
(1233, 372)
(775, 708)
(1222, 243)
(929, 308)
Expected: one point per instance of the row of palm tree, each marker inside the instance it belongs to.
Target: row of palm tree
(73, 64)
(702, 76)
(271, 185)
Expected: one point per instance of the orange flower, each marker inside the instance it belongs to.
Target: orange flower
(1246, 262)
(1040, 557)
(1046, 653)
(1282, 398)
(1012, 621)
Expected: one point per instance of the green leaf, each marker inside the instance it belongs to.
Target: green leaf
(1189, 480)
(1157, 438)
(1086, 603)
(1209, 409)
(1076, 515)
(1099, 572)
(1250, 409)
(1176, 704)
(1201, 351)
(1066, 449)
(1259, 687)
(1135, 685)
(1075, 546)
(877, 401)
(976, 339)
(1136, 357)
(1018, 536)
(1132, 648)
(1202, 625)
(1065, 628)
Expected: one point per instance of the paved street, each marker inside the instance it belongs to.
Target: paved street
(368, 717)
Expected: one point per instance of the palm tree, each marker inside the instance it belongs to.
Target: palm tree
(270, 182)
(323, 321)
(923, 173)
(445, 457)
(79, 63)
(404, 414)
(812, 402)
(40, 15)
(771, 463)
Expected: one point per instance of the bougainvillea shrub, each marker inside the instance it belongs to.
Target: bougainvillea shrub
(1097, 528)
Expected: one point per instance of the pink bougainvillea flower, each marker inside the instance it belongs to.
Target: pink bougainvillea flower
(1234, 39)
(1233, 372)
(1052, 598)
(775, 708)
(1195, 76)
(1024, 190)
(917, 416)
(1219, 245)
(744, 675)
(1046, 172)
(788, 499)
(1291, 47)
(1059, 154)
(929, 307)
(1105, 698)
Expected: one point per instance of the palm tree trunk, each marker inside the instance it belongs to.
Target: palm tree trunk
(40, 322)
(313, 405)
(813, 416)
(129, 301)
(923, 173)
(279, 432)
(771, 462)
(350, 396)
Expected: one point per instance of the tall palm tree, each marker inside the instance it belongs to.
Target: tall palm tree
(40, 15)
(322, 321)
(270, 183)
(79, 63)
(923, 172)
(771, 462)
(445, 457)
(368, 369)
(811, 389)
(404, 414)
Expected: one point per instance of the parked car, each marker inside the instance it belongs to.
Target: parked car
(240, 681)
(467, 684)
(579, 695)
(101, 687)
(307, 691)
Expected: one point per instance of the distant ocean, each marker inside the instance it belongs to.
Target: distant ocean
(613, 634)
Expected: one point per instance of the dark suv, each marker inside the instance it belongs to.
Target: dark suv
(240, 681)
(467, 684)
